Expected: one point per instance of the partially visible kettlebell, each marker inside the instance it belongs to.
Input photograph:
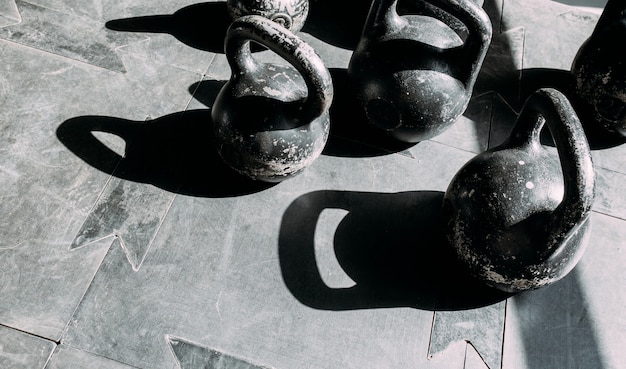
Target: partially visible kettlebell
(271, 121)
(517, 218)
(290, 14)
(414, 75)
(600, 71)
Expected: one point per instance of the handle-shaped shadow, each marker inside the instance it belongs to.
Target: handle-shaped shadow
(174, 152)
(390, 245)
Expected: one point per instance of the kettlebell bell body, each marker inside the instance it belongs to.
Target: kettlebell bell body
(599, 70)
(414, 74)
(271, 121)
(290, 14)
(515, 217)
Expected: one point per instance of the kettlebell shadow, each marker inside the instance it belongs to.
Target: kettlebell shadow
(175, 152)
(389, 244)
(201, 26)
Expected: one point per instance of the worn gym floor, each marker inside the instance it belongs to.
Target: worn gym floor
(126, 243)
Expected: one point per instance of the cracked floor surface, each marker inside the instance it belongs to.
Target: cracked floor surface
(126, 243)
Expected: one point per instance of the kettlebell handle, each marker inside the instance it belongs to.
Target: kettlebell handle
(384, 19)
(479, 29)
(552, 107)
(286, 45)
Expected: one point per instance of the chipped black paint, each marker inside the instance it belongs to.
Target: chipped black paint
(600, 71)
(517, 218)
(271, 121)
(414, 75)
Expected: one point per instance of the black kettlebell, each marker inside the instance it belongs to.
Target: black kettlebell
(271, 121)
(517, 218)
(414, 75)
(599, 70)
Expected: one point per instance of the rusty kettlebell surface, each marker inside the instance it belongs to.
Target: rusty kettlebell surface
(599, 70)
(517, 218)
(414, 74)
(271, 121)
(290, 14)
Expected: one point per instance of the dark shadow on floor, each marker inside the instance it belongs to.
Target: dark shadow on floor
(201, 26)
(174, 152)
(390, 244)
(558, 327)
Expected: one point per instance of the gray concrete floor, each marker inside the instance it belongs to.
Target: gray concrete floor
(126, 243)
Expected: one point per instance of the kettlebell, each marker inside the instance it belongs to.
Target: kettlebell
(515, 217)
(271, 121)
(290, 14)
(414, 74)
(599, 69)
